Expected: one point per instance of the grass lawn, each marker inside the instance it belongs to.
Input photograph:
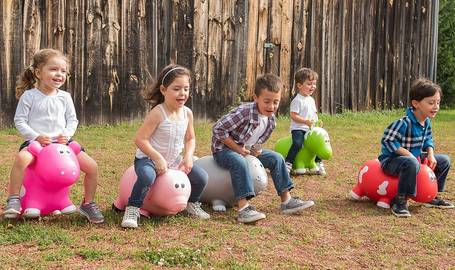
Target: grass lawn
(335, 233)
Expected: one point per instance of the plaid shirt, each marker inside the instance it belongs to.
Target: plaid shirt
(408, 133)
(239, 125)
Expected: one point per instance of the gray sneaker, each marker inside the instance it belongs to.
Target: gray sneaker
(194, 209)
(91, 212)
(295, 205)
(249, 215)
(130, 217)
(13, 207)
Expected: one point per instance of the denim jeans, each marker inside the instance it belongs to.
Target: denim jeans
(298, 136)
(146, 175)
(407, 169)
(242, 182)
(297, 141)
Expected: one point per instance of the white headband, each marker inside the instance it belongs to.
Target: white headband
(169, 71)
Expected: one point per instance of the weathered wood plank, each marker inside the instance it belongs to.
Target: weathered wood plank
(11, 58)
(214, 47)
(200, 41)
(285, 49)
(253, 9)
(262, 37)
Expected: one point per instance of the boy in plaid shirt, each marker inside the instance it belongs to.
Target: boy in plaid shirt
(405, 139)
(240, 133)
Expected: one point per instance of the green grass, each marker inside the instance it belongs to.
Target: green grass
(336, 233)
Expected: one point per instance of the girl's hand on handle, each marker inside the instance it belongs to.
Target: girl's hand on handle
(186, 165)
(62, 139)
(160, 166)
(43, 140)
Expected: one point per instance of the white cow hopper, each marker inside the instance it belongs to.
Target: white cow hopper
(219, 192)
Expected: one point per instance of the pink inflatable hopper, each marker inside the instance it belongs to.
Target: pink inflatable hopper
(168, 195)
(48, 179)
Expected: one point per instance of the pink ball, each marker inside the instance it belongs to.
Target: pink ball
(168, 195)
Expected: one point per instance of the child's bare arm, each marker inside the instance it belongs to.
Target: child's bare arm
(299, 119)
(142, 139)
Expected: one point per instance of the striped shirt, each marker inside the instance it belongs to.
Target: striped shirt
(408, 133)
(239, 125)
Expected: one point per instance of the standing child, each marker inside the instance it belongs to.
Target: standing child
(240, 133)
(166, 130)
(303, 116)
(46, 114)
(405, 139)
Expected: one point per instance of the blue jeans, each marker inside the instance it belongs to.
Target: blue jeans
(242, 182)
(298, 136)
(146, 175)
(407, 169)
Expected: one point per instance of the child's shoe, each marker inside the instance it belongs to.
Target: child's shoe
(194, 209)
(289, 167)
(249, 215)
(321, 168)
(130, 217)
(13, 207)
(295, 205)
(400, 207)
(91, 212)
(439, 203)
(300, 171)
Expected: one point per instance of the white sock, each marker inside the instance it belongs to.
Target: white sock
(288, 199)
(246, 205)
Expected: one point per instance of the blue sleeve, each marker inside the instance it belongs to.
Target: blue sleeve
(393, 135)
(428, 139)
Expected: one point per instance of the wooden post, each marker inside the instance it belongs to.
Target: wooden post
(285, 49)
(200, 40)
(253, 8)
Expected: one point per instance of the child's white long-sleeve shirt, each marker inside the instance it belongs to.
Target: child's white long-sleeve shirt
(40, 114)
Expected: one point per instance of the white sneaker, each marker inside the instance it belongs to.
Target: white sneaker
(289, 167)
(299, 171)
(194, 209)
(321, 169)
(130, 217)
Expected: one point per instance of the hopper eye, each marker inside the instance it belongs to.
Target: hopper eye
(182, 185)
(176, 185)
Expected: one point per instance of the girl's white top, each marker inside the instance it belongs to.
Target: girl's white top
(40, 114)
(168, 138)
(306, 108)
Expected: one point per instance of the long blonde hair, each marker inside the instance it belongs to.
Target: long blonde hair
(151, 91)
(27, 79)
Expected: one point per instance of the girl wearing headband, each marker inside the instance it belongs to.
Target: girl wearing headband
(167, 129)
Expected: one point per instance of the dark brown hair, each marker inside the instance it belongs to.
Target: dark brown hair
(304, 74)
(151, 91)
(422, 88)
(27, 79)
(269, 82)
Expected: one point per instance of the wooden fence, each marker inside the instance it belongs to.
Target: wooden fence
(366, 52)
